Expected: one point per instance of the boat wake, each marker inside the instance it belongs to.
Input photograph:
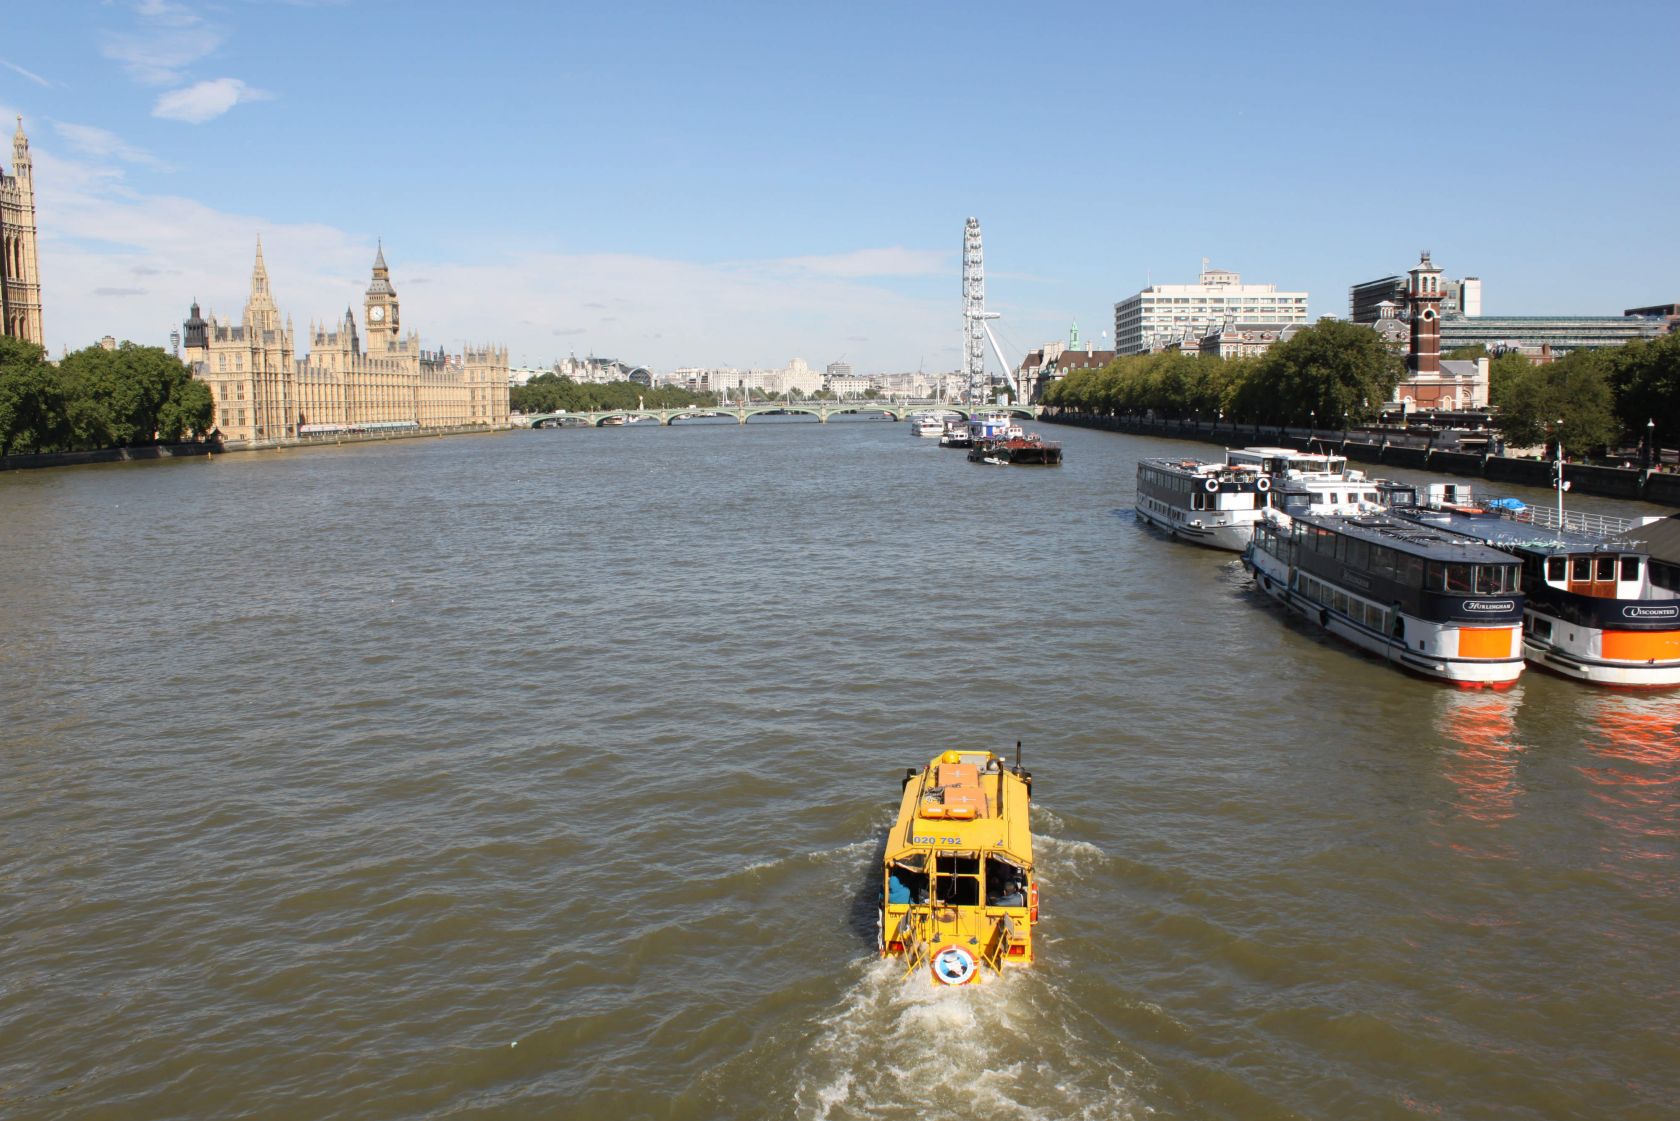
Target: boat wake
(902, 1048)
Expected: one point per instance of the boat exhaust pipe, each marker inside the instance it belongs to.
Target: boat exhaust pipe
(1017, 756)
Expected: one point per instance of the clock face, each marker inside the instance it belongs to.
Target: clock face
(376, 314)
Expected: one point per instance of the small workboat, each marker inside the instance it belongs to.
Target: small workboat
(959, 897)
(1018, 448)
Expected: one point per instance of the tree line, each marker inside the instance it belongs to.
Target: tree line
(1321, 373)
(552, 393)
(97, 398)
(1336, 372)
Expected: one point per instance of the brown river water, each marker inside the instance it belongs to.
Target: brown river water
(541, 775)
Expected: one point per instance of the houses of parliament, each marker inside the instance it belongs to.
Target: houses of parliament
(20, 277)
(264, 392)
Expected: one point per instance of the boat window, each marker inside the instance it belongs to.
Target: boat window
(1320, 499)
(1630, 568)
(1411, 573)
(1580, 569)
(1006, 883)
(956, 879)
(1555, 569)
(1666, 576)
(1458, 578)
(1496, 579)
(1606, 568)
(1358, 553)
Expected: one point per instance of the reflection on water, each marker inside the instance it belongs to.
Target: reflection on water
(1633, 742)
(1481, 751)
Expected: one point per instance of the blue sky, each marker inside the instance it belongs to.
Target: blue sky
(738, 184)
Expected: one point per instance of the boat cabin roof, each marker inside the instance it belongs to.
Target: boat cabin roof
(1409, 537)
(1503, 533)
(963, 801)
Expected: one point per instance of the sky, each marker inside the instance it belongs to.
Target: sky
(739, 184)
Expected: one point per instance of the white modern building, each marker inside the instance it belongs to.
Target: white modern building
(1166, 313)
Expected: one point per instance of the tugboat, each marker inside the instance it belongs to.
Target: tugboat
(959, 896)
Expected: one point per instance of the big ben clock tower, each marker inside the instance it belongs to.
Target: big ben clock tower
(381, 308)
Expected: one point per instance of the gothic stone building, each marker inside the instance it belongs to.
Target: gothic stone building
(20, 279)
(264, 391)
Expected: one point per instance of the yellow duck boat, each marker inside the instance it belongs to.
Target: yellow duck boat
(958, 892)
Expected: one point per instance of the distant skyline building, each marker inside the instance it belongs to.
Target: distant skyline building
(20, 274)
(1458, 297)
(839, 370)
(1172, 313)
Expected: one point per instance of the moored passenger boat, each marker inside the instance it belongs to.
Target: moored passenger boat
(927, 425)
(1209, 503)
(1596, 611)
(1282, 463)
(958, 893)
(1422, 599)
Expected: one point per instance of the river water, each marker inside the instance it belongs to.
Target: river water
(542, 774)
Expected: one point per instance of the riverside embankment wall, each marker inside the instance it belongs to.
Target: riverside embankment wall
(1662, 488)
(176, 451)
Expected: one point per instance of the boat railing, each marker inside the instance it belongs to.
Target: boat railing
(1594, 525)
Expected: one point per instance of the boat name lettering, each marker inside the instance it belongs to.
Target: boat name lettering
(1489, 606)
(1651, 612)
(1356, 579)
(935, 840)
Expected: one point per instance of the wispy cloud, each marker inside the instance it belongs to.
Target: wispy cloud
(101, 233)
(170, 37)
(30, 74)
(101, 144)
(896, 261)
(205, 101)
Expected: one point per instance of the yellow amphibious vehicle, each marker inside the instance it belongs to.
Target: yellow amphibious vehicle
(958, 894)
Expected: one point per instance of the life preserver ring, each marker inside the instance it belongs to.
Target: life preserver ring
(953, 965)
(1032, 903)
(1211, 485)
(1262, 484)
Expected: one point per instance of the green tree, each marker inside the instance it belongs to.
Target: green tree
(115, 397)
(32, 413)
(1503, 373)
(1646, 377)
(1574, 389)
(1325, 370)
(189, 412)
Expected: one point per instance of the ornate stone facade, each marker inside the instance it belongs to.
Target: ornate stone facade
(264, 391)
(20, 276)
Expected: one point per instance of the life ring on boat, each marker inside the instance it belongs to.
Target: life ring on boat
(1211, 485)
(953, 965)
(1032, 903)
(1262, 484)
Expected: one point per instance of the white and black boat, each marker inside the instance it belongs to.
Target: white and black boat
(1596, 611)
(1422, 599)
(1211, 504)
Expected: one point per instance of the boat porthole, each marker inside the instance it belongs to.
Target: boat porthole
(953, 965)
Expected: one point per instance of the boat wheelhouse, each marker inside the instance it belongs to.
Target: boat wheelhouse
(1208, 503)
(1595, 608)
(1420, 598)
(958, 893)
(1282, 463)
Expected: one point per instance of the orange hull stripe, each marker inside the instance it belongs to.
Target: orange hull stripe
(1642, 646)
(1485, 642)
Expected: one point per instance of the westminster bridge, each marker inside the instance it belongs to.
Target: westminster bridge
(822, 410)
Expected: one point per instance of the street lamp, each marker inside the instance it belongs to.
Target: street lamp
(1650, 443)
(1344, 425)
(1312, 424)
